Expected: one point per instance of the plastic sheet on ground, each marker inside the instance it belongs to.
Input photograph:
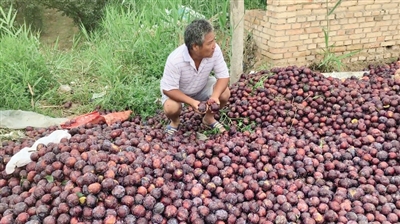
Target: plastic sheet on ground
(19, 119)
(23, 157)
(345, 75)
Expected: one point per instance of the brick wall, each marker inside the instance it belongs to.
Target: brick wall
(291, 31)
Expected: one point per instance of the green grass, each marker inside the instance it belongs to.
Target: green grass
(25, 73)
(124, 57)
(330, 61)
(25, 76)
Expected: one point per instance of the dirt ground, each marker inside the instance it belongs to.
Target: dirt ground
(58, 29)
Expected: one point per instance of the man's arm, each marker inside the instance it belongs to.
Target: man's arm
(219, 88)
(221, 73)
(179, 96)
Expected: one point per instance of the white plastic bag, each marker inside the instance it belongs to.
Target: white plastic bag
(54, 137)
(23, 157)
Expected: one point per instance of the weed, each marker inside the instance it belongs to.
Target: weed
(210, 132)
(25, 77)
(260, 83)
(330, 61)
(240, 123)
(321, 143)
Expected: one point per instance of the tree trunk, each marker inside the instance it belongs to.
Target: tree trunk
(237, 27)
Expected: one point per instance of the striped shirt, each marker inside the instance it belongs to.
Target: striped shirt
(180, 71)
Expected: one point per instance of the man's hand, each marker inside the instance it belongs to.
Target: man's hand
(214, 99)
(195, 105)
(214, 105)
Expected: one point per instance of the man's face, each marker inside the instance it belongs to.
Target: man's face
(207, 50)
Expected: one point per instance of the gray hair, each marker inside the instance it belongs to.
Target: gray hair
(196, 31)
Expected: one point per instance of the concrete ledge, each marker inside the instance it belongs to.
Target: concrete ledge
(345, 75)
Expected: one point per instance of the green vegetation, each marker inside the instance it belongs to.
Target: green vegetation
(29, 12)
(87, 13)
(255, 4)
(330, 61)
(120, 54)
(25, 76)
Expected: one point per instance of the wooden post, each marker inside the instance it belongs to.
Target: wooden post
(237, 27)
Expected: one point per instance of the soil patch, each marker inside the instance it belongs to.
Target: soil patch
(57, 29)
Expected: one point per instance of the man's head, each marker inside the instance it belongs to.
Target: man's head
(200, 38)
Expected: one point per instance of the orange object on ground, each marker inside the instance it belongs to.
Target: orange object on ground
(117, 117)
(95, 117)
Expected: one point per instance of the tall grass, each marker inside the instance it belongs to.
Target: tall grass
(330, 61)
(25, 78)
(130, 50)
(127, 53)
(140, 38)
(124, 58)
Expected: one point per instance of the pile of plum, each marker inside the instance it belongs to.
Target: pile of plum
(300, 148)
